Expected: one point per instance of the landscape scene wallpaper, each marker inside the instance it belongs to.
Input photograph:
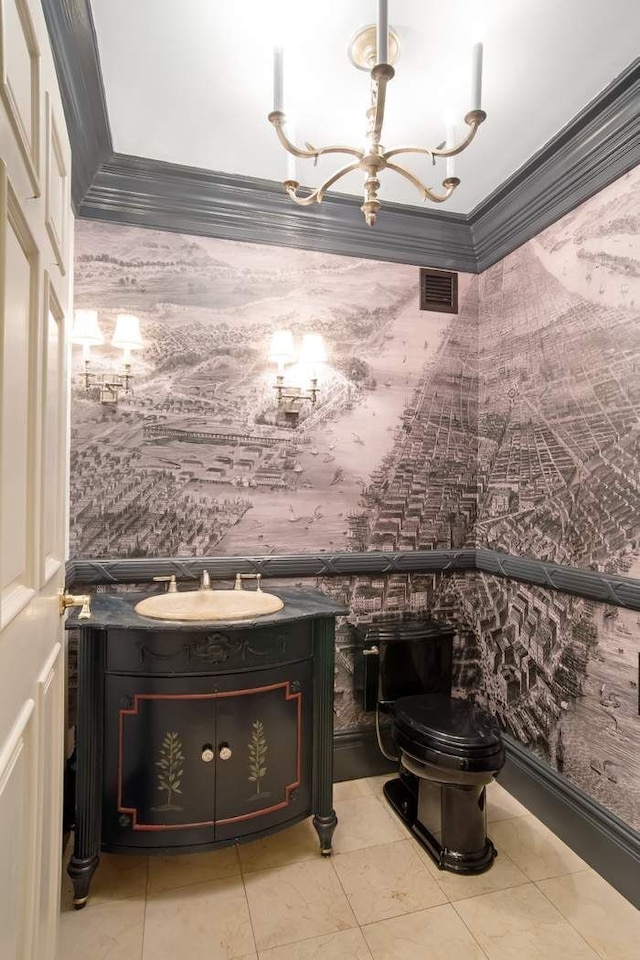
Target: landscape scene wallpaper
(512, 425)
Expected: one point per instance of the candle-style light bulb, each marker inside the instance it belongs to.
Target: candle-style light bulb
(382, 32)
(476, 77)
(278, 77)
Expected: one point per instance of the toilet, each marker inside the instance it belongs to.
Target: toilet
(448, 749)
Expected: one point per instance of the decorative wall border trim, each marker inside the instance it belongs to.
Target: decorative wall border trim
(293, 565)
(597, 146)
(602, 587)
(591, 584)
(608, 844)
(600, 144)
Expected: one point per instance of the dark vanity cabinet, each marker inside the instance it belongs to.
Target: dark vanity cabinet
(198, 735)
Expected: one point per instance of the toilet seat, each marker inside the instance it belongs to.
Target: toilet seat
(453, 734)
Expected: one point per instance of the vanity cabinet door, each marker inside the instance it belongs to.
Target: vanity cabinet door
(159, 762)
(264, 749)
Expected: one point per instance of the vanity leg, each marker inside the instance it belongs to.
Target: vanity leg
(81, 872)
(324, 819)
(89, 733)
(324, 828)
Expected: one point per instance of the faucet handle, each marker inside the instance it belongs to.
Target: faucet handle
(173, 587)
(247, 576)
(205, 580)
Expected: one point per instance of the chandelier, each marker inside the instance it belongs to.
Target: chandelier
(375, 49)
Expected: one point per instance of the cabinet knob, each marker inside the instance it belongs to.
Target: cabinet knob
(225, 751)
(207, 753)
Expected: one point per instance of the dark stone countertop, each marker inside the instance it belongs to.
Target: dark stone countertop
(113, 610)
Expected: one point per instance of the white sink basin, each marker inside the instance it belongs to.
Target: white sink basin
(210, 605)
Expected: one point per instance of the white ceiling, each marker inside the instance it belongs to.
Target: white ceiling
(190, 81)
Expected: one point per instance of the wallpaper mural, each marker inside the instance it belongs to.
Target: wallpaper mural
(197, 461)
(559, 479)
(513, 425)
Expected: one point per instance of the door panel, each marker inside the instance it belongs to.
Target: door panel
(264, 720)
(158, 789)
(53, 400)
(20, 81)
(36, 233)
(16, 844)
(18, 391)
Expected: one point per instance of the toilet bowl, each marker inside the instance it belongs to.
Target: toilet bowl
(448, 749)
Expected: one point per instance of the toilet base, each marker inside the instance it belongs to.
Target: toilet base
(403, 795)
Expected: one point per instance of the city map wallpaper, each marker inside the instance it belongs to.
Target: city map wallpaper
(513, 425)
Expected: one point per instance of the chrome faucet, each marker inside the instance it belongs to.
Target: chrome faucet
(205, 580)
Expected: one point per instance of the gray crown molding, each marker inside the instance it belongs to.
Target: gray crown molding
(608, 844)
(597, 146)
(591, 584)
(600, 144)
(75, 54)
(167, 196)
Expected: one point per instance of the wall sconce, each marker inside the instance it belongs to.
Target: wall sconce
(127, 337)
(282, 352)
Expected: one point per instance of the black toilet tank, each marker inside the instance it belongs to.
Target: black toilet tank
(415, 657)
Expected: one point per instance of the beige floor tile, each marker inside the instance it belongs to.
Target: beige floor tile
(386, 881)
(364, 822)
(435, 934)
(501, 805)
(166, 873)
(117, 878)
(346, 945)
(377, 783)
(349, 789)
(521, 924)
(299, 842)
(501, 875)
(205, 921)
(106, 931)
(296, 902)
(604, 918)
(534, 849)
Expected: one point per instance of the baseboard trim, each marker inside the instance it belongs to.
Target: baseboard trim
(605, 842)
(356, 755)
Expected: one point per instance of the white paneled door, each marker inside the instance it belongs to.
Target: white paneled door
(36, 232)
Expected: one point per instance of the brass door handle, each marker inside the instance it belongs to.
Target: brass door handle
(225, 751)
(207, 753)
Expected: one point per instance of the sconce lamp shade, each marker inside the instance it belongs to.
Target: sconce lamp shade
(85, 328)
(127, 335)
(281, 349)
(312, 350)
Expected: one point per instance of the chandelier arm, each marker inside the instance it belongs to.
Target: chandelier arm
(473, 120)
(397, 150)
(278, 119)
(381, 74)
(291, 186)
(450, 183)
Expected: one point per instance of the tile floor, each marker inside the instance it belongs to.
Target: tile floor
(379, 897)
